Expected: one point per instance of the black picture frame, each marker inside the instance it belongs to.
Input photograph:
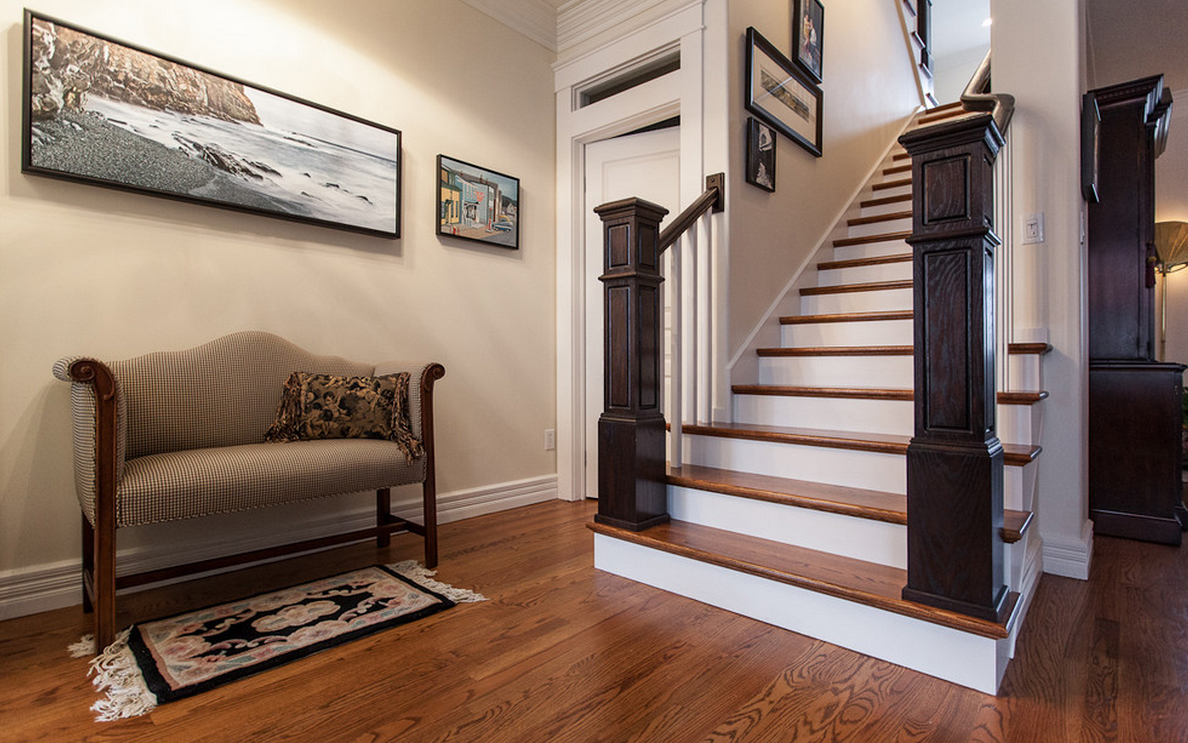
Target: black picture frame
(1090, 124)
(199, 136)
(808, 37)
(465, 192)
(761, 154)
(782, 95)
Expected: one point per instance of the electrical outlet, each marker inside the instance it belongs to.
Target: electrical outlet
(550, 439)
(1033, 228)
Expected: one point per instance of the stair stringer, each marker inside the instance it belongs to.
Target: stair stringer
(743, 367)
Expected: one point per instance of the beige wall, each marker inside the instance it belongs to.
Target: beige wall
(870, 90)
(97, 271)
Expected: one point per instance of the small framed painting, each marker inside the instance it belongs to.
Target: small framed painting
(761, 154)
(100, 111)
(475, 203)
(782, 95)
(808, 36)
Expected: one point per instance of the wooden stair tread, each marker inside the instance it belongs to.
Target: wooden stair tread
(863, 582)
(878, 218)
(895, 169)
(899, 182)
(943, 113)
(857, 502)
(898, 156)
(1015, 455)
(868, 286)
(836, 351)
(885, 237)
(1017, 397)
(1029, 348)
(846, 317)
(886, 200)
(880, 260)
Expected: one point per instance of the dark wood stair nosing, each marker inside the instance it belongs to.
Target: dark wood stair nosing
(889, 217)
(781, 352)
(648, 538)
(884, 201)
(846, 242)
(1017, 397)
(879, 260)
(846, 317)
(887, 185)
(869, 286)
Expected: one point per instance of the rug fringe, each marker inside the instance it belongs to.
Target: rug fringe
(424, 576)
(85, 647)
(117, 675)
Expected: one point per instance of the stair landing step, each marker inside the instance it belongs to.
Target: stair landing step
(1015, 455)
(867, 583)
(1017, 397)
(846, 317)
(856, 502)
(880, 260)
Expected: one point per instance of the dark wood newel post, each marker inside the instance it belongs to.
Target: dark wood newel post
(955, 460)
(632, 493)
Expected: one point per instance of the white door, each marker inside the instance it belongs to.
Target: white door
(646, 165)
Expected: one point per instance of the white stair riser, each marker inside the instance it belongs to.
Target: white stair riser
(1025, 372)
(884, 193)
(959, 657)
(855, 469)
(879, 210)
(837, 414)
(1020, 424)
(864, 274)
(903, 224)
(836, 371)
(871, 250)
(868, 333)
(847, 467)
(861, 539)
(882, 300)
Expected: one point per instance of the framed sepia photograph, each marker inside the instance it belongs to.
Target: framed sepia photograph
(808, 36)
(782, 95)
(104, 112)
(761, 154)
(476, 203)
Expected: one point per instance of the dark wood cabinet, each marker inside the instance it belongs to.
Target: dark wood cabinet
(1134, 403)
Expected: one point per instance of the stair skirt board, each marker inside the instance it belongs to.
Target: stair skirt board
(952, 655)
(850, 536)
(868, 333)
(846, 467)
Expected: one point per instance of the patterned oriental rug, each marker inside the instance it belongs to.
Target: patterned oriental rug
(179, 656)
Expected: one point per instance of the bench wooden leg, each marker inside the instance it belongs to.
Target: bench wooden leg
(383, 509)
(88, 564)
(429, 501)
(104, 583)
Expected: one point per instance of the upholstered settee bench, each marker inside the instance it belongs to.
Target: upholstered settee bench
(183, 434)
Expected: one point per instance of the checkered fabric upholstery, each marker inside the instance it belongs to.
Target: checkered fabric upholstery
(191, 430)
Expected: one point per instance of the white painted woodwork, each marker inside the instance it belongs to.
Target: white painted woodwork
(881, 300)
(837, 371)
(862, 333)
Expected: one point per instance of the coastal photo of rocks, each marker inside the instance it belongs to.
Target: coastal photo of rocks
(104, 112)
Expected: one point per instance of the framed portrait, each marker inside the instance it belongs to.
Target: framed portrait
(761, 154)
(781, 94)
(100, 111)
(808, 36)
(476, 203)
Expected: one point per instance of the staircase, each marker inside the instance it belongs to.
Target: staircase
(795, 513)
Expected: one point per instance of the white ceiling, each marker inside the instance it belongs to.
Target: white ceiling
(1129, 39)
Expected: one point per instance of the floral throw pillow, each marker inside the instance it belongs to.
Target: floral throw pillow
(324, 406)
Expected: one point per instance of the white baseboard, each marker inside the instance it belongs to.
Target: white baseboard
(1069, 557)
(56, 585)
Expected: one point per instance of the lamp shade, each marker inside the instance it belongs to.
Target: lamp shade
(1171, 242)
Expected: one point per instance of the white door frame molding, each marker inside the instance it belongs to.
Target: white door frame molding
(677, 93)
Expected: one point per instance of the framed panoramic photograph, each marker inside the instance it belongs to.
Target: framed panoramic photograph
(101, 111)
(474, 203)
(782, 95)
(808, 35)
(761, 154)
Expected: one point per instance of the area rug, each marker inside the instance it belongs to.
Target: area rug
(183, 655)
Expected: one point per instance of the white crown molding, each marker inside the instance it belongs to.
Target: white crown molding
(535, 19)
(579, 21)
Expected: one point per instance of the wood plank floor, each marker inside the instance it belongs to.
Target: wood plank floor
(564, 653)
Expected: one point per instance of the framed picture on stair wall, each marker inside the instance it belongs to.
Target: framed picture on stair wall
(781, 94)
(761, 154)
(808, 36)
(476, 203)
(99, 111)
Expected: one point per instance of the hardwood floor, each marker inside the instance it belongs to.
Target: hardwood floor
(564, 653)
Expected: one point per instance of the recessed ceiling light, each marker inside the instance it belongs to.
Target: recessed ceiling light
(986, 23)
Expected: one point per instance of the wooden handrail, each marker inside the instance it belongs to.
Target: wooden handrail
(714, 197)
(977, 97)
